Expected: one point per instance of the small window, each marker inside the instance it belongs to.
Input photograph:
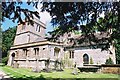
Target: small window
(23, 26)
(28, 38)
(36, 51)
(38, 28)
(43, 48)
(13, 55)
(16, 53)
(25, 51)
(71, 54)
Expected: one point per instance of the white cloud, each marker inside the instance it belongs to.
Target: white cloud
(44, 16)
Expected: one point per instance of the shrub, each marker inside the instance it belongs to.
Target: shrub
(91, 60)
(109, 61)
(56, 64)
(4, 60)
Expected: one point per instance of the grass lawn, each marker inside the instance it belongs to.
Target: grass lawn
(22, 73)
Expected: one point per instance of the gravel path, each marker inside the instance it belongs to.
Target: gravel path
(3, 76)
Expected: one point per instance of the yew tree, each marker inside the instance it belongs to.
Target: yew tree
(71, 16)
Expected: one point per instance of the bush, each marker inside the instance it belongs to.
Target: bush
(4, 60)
(91, 60)
(109, 61)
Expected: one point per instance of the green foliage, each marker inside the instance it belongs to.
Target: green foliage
(4, 60)
(91, 60)
(66, 61)
(70, 16)
(77, 32)
(109, 61)
(117, 46)
(62, 64)
(0, 37)
(13, 10)
(56, 64)
(7, 40)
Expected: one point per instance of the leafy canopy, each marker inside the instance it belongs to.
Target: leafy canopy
(72, 16)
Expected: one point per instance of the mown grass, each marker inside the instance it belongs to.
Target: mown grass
(22, 73)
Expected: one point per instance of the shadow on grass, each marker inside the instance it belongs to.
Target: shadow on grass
(29, 78)
(41, 77)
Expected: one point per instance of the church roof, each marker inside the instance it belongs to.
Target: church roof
(90, 39)
(32, 44)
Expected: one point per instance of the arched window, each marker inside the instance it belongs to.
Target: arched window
(85, 59)
(56, 51)
(13, 55)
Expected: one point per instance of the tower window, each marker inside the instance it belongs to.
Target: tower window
(38, 28)
(25, 51)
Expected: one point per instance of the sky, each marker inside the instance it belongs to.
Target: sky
(44, 17)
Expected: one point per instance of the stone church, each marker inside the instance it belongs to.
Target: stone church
(31, 48)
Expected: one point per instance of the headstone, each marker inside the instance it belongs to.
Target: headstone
(75, 72)
(16, 65)
(36, 69)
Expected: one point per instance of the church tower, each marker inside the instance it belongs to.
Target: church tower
(27, 33)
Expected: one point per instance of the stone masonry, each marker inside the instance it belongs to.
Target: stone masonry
(30, 49)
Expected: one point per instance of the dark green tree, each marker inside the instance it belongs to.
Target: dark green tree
(0, 37)
(13, 11)
(109, 61)
(0, 44)
(72, 15)
(117, 46)
(7, 40)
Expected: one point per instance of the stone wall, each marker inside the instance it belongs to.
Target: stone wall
(114, 69)
(98, 56)
(29, 33)
(32, 58)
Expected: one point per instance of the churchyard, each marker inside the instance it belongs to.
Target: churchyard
(27, 74)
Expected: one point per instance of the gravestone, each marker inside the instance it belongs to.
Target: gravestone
(75, 72)
(36, 69)
(16, 65)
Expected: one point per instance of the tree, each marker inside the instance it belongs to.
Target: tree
(91, 61)
(13, 11)
(7, 40)
(109, 61)
(72, 16)
(0, 37)
(0, 44)
(117, 46)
